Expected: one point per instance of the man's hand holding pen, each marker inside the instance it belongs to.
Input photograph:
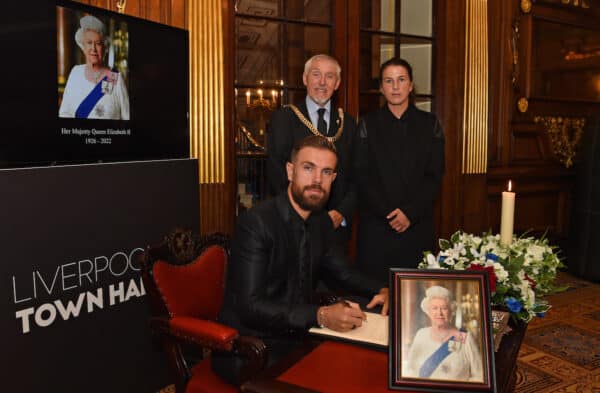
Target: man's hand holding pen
(341, 316)
(345, 315)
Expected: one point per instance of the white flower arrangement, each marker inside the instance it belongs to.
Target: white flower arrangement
(521, 274)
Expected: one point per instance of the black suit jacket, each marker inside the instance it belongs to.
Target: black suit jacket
(400, 165)
(407, 176)
(263, 295)
(285, 129)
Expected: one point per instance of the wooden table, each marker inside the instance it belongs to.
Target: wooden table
(335, 367)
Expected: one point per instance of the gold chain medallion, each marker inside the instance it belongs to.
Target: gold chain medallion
(312, 128)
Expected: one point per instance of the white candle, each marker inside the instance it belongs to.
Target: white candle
(507, 218)
(274, 96)
(260, 94)
(248, 97)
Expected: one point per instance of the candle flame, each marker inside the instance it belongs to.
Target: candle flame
(509, 185)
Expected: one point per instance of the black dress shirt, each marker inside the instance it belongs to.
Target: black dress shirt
(270, 282)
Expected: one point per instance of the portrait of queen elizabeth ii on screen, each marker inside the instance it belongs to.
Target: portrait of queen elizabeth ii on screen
(95, 89)
(446, 345)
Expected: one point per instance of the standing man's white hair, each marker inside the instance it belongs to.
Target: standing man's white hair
(323, 56)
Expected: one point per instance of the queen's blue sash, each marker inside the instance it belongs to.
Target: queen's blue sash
(89, 102)
(434, 360)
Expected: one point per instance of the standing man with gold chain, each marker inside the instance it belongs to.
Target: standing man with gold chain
(317, 115)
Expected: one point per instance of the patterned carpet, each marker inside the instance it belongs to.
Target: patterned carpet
(561, 352)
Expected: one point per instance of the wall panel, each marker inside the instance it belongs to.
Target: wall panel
(169, 12)
(135, 8)
(527, 147)
(178, 13)
(520, 147)
(450, 61)
(153, 10)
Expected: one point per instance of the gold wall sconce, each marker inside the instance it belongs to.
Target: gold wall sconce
(565, 134)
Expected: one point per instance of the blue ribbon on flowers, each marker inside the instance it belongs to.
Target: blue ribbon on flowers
(513, 304)
(491, 256)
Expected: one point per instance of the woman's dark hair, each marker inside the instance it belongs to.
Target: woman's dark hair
(396, 61)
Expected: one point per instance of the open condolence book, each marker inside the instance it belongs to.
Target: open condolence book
(374, 331)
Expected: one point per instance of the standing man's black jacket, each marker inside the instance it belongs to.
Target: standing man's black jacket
(285, 129)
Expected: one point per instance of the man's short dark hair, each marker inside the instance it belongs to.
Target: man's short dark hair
(396, 61)
(316, 141)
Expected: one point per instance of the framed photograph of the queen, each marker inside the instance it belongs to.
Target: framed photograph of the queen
(440, 331)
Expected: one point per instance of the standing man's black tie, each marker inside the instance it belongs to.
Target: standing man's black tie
(321, 125)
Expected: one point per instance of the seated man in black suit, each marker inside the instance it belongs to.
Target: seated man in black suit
(317, 115)
(279, 251)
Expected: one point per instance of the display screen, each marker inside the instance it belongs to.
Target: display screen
(83, 85)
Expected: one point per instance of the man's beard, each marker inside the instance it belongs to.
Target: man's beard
(320, 101)
(312, 203)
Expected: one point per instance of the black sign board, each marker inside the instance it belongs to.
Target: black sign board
(74, 316)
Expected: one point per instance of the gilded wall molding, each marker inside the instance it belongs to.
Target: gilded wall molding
(514, 47)
(121, 4)
(207, 125)
(475, 115)
(565, 134)
(576, 3)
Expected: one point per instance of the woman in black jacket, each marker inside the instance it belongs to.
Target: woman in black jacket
(400, 165)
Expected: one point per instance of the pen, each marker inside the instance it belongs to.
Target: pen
(348, 304)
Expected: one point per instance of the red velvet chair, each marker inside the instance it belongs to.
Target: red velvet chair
(184, 278)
